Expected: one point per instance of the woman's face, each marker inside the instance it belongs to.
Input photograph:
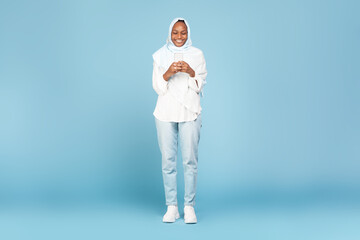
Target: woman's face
(179, 34)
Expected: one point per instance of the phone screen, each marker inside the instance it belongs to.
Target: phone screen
(178, 57)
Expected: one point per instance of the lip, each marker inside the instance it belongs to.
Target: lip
(179, 42)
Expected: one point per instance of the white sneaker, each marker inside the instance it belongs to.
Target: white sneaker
(171, 214)
(189, 214)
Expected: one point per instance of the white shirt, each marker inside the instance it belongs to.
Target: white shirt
(178, 98)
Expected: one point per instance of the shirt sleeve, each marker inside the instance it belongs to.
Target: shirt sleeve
(159, 84)
(200, 77)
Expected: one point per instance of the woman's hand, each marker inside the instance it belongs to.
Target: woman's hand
(180, 66)
(174, 68)
(184, 67)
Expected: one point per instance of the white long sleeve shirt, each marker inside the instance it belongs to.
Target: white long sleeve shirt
(178, 98)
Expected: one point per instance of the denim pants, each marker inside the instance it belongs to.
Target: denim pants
(188, 134)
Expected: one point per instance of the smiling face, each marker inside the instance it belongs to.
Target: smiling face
(179, 34)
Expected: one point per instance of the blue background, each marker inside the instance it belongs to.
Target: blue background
(279, 150)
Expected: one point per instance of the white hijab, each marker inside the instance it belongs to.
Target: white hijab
(164, 57)
(169, 43)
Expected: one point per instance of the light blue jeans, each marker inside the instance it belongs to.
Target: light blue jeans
(188, 134)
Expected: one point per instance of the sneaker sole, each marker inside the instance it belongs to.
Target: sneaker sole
(176, 217)
(190, 222)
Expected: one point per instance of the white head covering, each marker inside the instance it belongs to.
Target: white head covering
(169, 43)
(165, 55)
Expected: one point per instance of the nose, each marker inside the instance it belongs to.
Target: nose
(178, 36)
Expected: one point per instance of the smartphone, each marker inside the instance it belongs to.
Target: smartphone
(178, 57)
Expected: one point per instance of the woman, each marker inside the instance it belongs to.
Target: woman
(178, 79)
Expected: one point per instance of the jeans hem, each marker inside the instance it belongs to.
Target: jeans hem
(189, 204)
(171, 204)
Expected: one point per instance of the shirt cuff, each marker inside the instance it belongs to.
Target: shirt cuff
(163, 85)
(192, 83)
